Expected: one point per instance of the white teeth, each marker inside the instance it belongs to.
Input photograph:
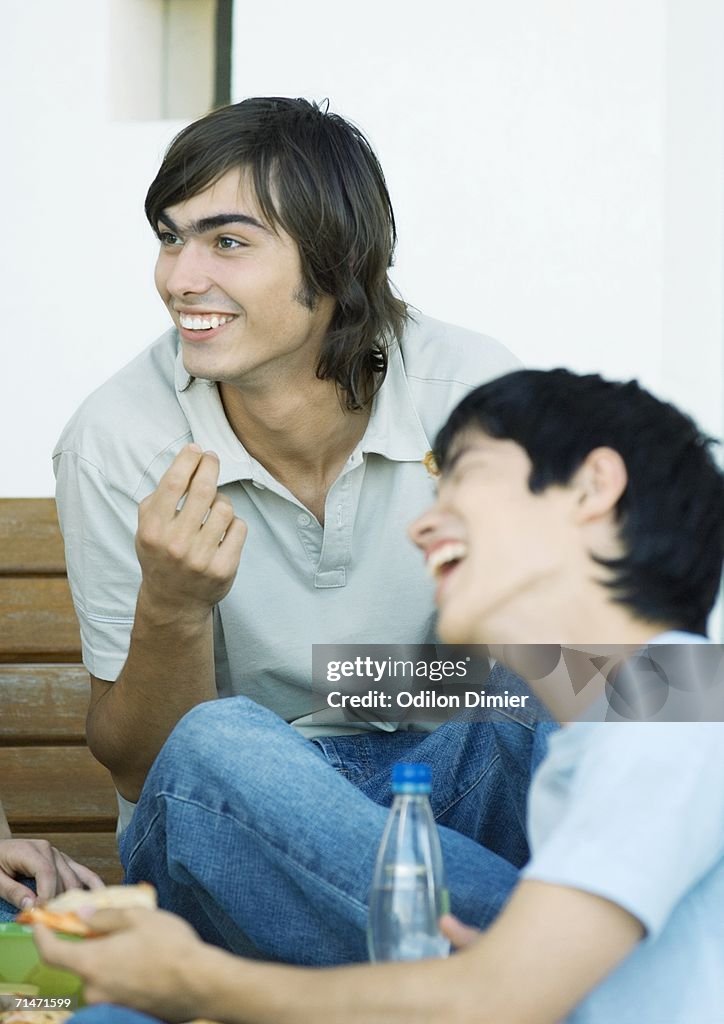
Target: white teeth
(202, 323)
(449, 552)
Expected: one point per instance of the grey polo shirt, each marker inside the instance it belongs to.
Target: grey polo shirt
(357, 579)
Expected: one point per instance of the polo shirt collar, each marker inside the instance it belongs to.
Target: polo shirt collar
(394, 430)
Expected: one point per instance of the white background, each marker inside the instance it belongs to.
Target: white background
(556, 167)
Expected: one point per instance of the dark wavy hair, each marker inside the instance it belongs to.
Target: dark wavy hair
(315, 175)
(671, 514)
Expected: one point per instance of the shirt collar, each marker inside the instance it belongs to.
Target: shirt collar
(394, 429)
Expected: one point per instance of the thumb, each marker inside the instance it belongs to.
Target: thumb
(15, 892)
(460, 934)
(103, 922)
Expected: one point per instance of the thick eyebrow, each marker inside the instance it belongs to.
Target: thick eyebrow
(219, 220)
(452, 460)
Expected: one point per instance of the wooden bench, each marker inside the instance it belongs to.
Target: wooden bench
(50, 785)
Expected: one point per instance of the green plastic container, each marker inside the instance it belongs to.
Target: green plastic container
(20, 964)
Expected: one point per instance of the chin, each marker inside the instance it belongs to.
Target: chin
(456, 628)
(202, 368)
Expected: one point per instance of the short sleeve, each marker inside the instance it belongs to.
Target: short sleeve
(643, 818)
(98, 523)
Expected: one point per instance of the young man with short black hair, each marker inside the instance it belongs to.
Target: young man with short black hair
(600, 511)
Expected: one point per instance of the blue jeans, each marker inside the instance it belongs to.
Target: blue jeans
(105, 1013)
(7, 910)
(266, 842)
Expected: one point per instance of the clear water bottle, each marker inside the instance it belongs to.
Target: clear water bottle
(408, 892)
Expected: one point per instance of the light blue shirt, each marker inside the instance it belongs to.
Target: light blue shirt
(634, 813)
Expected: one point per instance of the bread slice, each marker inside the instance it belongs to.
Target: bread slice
(59, 913)
(35, 1016)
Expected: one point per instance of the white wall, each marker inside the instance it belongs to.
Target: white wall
(523, 143)
(77, 254)
(556, 167)
(545, 160)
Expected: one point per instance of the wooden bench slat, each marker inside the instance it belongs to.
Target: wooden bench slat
(43, 703)
(37, 620)
(30, 539)
(51, 786)
(97, 850)
(58, 788)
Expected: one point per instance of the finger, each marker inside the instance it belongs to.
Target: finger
(213, 531)
(230, 547)
(15, 892)
(35, 857)
(214, 534)
(225, 561)
(460, 934)
(107, 921)
(175, 482)
(200, 495)
(89, 879)
(59, 952)
(67, 878)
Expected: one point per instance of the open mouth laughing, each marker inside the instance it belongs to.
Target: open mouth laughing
(442, 560)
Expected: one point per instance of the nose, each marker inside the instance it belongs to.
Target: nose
(183, 271)
(423, 529)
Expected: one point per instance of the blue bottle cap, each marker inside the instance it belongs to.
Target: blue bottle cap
(411, 778)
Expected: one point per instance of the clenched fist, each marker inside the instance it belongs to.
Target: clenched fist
(189, 555)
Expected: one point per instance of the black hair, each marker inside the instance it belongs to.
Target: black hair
(316, 176)
(671, 514)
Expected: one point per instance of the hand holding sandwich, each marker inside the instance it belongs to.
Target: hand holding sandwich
(157, 961)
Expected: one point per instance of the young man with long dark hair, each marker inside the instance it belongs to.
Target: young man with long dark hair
(295, 399)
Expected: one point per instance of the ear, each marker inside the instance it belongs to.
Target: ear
(600, 482)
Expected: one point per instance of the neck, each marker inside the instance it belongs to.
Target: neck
(543, 624)
(596, 635)
(299, 434)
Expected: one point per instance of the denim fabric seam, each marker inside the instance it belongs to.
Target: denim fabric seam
(474, 785)
(125, 861)
(516, 719)
(259, 836)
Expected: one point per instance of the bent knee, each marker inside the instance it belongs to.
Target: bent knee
(216, 725)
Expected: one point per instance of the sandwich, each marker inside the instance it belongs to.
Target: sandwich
(35, 1016)
(60, 912)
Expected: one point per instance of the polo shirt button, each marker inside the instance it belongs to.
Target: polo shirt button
(258, 485)
(303, 519)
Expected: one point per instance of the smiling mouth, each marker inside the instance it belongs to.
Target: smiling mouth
(443, 559)
(203, 323)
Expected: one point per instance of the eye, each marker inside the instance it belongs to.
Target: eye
(227, 243)
(465, 464)
(168, 238)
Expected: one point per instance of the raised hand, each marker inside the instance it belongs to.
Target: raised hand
(188, 542)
